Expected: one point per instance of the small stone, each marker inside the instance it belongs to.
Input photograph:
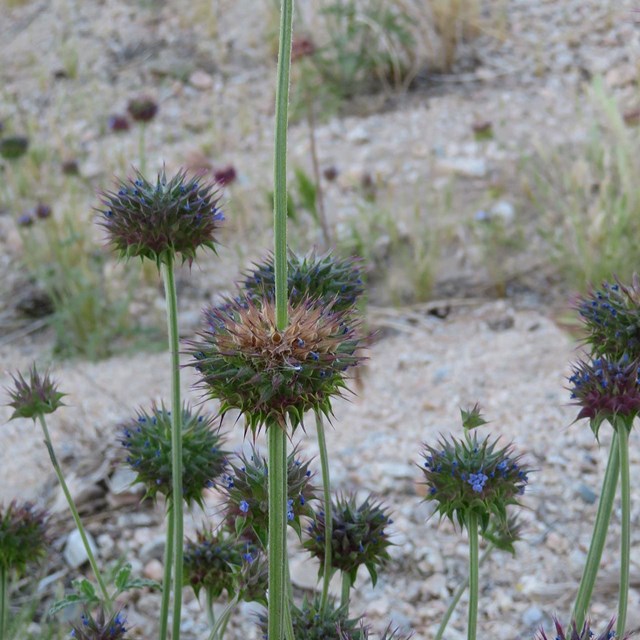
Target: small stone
(358, 135)
(586, 494)
(75, 555)
(121, 480)
(435, 587)
(503, 210)
(621, 76)
(153, 548)
(464, 167)
(154, 570)
(201, 80)
(532, 616)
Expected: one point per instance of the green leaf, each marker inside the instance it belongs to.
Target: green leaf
(141, 583)
(122, 577)
(67, 601)
(307, 191)
(86, 590)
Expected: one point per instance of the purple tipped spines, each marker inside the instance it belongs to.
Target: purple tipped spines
(35, 395)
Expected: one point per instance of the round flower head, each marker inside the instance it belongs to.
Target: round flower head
(363, 634)
(247, 494)
(254, 576)
(35, 396)
(310, 622)
(213, 562)
(142, 108)
(269, 375)
(585, 633)
(503, 534)
(470, 475)
(23, 538)
(162, 220)
(606, 389)
(13, 147)
(326, 278)
(359, 536)
(100, 628)
(611, 316)
(147, 440)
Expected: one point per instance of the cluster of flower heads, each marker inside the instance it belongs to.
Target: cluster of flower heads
(161, 220)
(23, 537)
(363, 632)
(246, 489)
(34, 396)
(572, 633)
(472, 475)
(100, 627)
(359, 536)
(147, 440)
(269, 375)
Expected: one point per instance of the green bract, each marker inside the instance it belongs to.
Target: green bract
(359, 536)
(23, 537)
(272, 376)
(34, 397)
(147, 440)
(162, 220)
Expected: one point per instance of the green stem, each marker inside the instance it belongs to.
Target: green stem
(211, 616)
(472, 526)
(601, 525)
(346, 590)
(625, 534)
(75, 514)
(288, 622)
(457, 595)
(328, 518)
(176, 441)
(4, 600)
(221, 623)
(166, 580)
(143, 155)
(277, 530)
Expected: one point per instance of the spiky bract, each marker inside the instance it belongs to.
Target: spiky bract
(310, 622)
(272, 376)
(326, 278)
(362, 633)
(585, 633)
(472, 475)
(503, 534)
(34, 396)
(247, 494)
(99, 628)
(254, 576)
(162, 220)
(23, 538)
(359, 536)
(611, 316)
(147, 439)
(606, 389)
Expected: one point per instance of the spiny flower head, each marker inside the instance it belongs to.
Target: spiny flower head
(606, 389)
(611, 316)
(159, 221)
(147, 439)
(584, 634)
(310, 622)
(247, 494)
(142, 108)
(472, 475)
(503, 534)
(359, 536)
(254, 576)
(213, 562)
(364, 631)
(23, 538)
(34, 396)
(272, 376)
(13, 147)
(337, 281)
(99, 628)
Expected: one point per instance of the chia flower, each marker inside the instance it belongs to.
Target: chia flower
(23, 538)
(142, 108)
(503, 534)
(302, 47)
(246, 491)
(611, 316)
(13, 147)
(270, 375)
(359, 536)
(584, 634)
(312, 623)
(25, 219)
(43, 211)
(606, 389)
(331, 280)
(363, 634)
(254, 576)
(470, 475)
(34, 397)
(117, 123)
(213, 562)
(226, 175)
(147, 440)
(159, 221)
(99, 628)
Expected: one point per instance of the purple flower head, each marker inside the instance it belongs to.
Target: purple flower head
(34, 396)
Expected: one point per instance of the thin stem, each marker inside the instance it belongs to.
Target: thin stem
(75, 514)
(211, 615)
(600, 527)
(346, 590)
(143, 154)
(176, 441)
(625, 534)
(4, 600)
(166, 580)
(277, 531)
(328, 518)
(457, 595)
(472, 526)
(288, 622)
(221, 623)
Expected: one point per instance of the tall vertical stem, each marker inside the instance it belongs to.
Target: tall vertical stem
(75, 514)
(346, 590)
(472, 526)
(166, 580)
(600, 527)
(168, 276)
(625, 534)
(328, 518)
(276, 434)
(4, 600)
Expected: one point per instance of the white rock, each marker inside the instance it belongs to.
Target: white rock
(154, 570)
(464, 167)
(75, 555)
(504, 210)
(358, 135)
(201, 80)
